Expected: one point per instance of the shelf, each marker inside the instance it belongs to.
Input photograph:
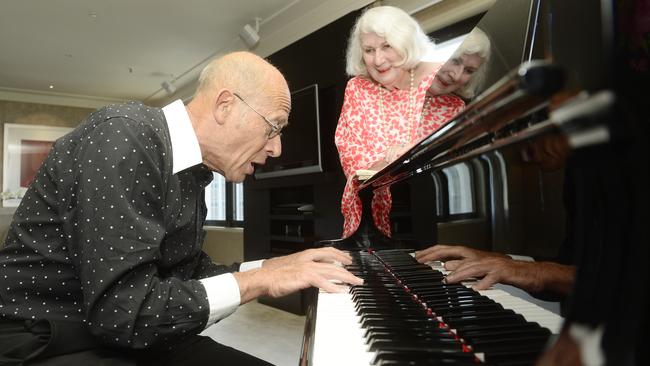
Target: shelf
(296, 217)
(404, 236)
(291, 239)
(286, 246)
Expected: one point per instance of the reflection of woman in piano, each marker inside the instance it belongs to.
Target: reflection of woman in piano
(394, 100)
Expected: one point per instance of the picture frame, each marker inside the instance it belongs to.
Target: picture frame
(24, 149)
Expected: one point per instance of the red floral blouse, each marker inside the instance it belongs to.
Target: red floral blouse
(374, 119)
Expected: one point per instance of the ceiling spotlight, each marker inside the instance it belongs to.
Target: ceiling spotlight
(169, 88)
(250, 35)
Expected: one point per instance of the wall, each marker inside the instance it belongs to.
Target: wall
(6, 213)
(37, 114)
(224, 245)
(317, 58)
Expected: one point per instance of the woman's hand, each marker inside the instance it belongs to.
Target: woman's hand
(391, 154)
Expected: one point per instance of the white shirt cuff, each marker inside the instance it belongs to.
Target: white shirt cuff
(589, 340)
(247, 266)
(223, 296)
(523, 258)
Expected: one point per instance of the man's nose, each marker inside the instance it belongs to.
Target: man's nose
(274, 147)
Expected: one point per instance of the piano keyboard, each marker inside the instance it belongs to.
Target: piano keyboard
(404, 315)
(532, 312)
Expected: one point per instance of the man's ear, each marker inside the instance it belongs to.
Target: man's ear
(223, 105)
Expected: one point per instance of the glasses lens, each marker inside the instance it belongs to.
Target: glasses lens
(274, 132)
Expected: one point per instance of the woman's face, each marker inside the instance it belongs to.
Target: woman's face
(455, 73)
(381, 60)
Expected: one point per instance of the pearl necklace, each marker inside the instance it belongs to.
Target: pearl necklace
(411, 107)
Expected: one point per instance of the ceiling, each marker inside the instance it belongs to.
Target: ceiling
(92, 52)
(89, 53)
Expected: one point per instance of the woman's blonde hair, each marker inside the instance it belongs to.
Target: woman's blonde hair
(401, 31)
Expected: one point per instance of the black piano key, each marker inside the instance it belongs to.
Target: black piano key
(399, 322)
(457, 300)
(382, 305)
(509, 343)
(406, 333)
(488, 319)
(426, 361)
(424, 278)
(449, 301)
(507, 332)
(379, 298)
(385, 342)
(514, 356)
(442, 293)
(462, 328)
(437, 289)
(385, 299)
(422, 356)
(368, 320)
(478, 310)
(469, 314)
(388, 313)
(378, 293)
(393, 327)
(451, 307)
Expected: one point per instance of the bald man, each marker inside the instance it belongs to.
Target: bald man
(103, 260)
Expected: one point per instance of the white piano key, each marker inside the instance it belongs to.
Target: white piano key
(530, 311)
(338, 337)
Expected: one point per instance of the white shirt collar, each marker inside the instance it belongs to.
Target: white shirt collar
(185, 146)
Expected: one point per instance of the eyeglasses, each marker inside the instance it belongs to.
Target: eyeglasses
(275, 129)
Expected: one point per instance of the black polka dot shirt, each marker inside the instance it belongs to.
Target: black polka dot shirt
(108, 235)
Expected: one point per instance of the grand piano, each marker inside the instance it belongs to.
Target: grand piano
(405, 314)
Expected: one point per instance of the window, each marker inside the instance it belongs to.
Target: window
(238, 199)
(455, 192)
(225, 202)
(459, 189)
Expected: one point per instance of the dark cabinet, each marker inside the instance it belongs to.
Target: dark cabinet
(287, 215)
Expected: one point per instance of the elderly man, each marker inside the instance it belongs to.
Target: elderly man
(103, 260)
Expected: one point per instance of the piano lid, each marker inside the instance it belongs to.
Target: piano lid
(519, 94)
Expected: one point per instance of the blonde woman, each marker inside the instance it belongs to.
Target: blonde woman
(392, 101)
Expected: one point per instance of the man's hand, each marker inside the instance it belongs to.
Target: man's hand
(454, 255)
(533, 277)
(493, 270)
(284, 275)
(329, 277)
(326, 255)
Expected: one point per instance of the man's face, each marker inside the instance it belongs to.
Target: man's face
(251, 143)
